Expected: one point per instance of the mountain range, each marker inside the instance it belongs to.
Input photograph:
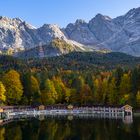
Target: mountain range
(102, 33)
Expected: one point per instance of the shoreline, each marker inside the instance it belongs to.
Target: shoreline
(124, 113)
(69, 109)
(41, 115)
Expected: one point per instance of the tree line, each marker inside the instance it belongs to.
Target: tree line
(115, 87)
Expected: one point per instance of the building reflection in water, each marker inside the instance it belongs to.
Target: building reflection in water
(128, 119)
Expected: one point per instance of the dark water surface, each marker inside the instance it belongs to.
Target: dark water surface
(70, 129)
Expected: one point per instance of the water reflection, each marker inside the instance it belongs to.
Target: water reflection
(128, 119)
(70, 128)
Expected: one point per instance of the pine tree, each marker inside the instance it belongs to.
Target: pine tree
(32, 93)
(78, 84)
(118, 76)
(125, 89)
(112, 92)
(97, 91)
(134, 85)
(26, 81)
(138, 99)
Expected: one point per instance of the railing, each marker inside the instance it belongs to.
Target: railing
(110, 111)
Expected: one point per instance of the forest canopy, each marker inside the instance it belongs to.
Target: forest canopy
(70, 79)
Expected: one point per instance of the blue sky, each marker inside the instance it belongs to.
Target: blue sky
(62, 12)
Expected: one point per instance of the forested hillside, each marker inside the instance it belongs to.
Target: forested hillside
(80, 61)
(76, 78)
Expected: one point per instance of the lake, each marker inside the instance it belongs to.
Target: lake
(69, 128)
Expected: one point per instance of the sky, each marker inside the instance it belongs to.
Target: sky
(62, 12)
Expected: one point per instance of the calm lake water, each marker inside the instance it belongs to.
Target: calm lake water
(69, 128)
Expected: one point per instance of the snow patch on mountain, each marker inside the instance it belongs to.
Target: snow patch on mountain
(121, 34)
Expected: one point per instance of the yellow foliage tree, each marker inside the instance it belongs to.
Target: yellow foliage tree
(14, 88)
(2, 93)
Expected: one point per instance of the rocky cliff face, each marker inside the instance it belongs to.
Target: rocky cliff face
(121, 34)
(55, 48)
(127, 39)
(17, 35)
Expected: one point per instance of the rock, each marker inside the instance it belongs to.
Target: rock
(121, 34)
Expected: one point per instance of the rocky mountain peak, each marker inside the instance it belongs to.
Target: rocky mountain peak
(10, 23)
(27, 25)
(101, 18)
(11, 20)
(133, 13)
(17, 19)
(119, 34)
(80, 22)
(51, 26)
(51, 31)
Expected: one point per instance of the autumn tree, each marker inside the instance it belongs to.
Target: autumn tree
(89, 80)
(35, 91)
(60, 88)
(86, 94)
(32, 93)
(49, 94)
(2, 133)
(2, 93)
(14, 88)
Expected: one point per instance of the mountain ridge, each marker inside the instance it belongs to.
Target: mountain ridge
(120, 34)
